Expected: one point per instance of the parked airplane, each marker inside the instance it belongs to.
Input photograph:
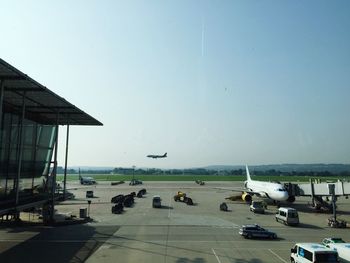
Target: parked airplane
(274, 191)
(157, 156)
(271, 190)
(86, 180)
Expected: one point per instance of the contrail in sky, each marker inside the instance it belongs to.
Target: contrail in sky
(202, 37)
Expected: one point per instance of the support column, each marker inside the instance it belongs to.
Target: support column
(20, 152)
(331, 189)
(34, 145)
(1, 105)
(312, 192)
(1, 134)
(8, 143)
(65, 165)
(54, 171)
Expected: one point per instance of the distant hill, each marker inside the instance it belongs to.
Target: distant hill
(91, 168)
(85, 169)
(319, 167)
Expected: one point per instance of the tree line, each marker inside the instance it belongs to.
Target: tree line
(202, 171)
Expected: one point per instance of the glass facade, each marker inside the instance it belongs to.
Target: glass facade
(37, 148)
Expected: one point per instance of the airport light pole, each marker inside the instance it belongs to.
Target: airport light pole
(133, 172)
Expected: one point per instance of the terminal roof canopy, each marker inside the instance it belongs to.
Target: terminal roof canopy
(41, 104)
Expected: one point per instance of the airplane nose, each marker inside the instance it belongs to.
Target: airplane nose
(285, 196)
(282, 196)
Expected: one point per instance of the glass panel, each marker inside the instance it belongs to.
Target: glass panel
(38, 142)
(326, 257)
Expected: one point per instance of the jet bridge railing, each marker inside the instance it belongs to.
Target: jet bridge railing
(322, 189)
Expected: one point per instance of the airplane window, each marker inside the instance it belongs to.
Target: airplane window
(293, 215)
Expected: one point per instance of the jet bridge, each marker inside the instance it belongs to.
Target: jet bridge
(320, 192)
(316, 187)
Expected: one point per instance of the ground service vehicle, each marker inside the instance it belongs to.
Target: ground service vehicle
(340, 246)
(128, 200)
(257, 207)
(332, 222)
(200, 182)
(332, 240)
(223, 207)
(189, 201)
(312, 252)
(250, 231)
(135, 182)
(141, 193)
(117, 199)
(116, 183)
(181, 197)
(117, 209)
(287, 216)
(156, 202)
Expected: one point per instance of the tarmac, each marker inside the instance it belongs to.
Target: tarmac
(174, 233)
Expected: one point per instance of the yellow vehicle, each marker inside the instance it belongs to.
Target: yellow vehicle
(181, 197)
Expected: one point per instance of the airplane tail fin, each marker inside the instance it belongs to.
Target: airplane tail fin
(165, 154)
(248, 174)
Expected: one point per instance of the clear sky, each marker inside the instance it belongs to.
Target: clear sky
(209, 82)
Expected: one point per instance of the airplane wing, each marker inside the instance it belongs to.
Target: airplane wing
(248, 191)
(230, 189)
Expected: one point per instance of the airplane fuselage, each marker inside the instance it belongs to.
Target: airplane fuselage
(154, 156)
(274, 191)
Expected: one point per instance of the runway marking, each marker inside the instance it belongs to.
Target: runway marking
(104, 247)
(55, 241)
(278, 256)
(217, 258)
(169, 206)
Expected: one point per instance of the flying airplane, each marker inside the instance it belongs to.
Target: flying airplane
(157, 156)
(274, 191)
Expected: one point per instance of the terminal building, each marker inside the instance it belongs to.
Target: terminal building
(30, 116)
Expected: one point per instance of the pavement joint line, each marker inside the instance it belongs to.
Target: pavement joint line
(120, 239)
(166, 244)
(216, 256)
(278, 256)
(55, 241)
(169, 205)
(104, 247)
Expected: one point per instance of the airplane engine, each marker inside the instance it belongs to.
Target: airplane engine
(246, 197)
(291, 199)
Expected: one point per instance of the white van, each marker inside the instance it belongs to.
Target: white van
(287, 215)
(312, 252)
(342, 248)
